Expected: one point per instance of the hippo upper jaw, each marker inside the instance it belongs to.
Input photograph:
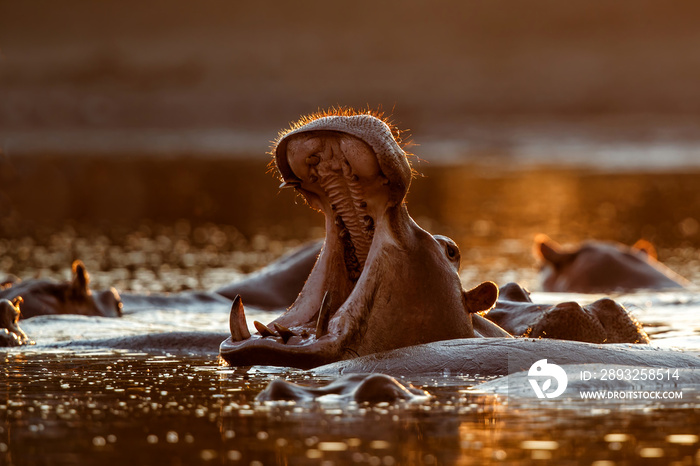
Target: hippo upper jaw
(380, 281)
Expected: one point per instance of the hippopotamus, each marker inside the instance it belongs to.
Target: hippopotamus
(360, 388)
(10, 333)
(380, 281)
(601, 267)
(42, 297)
(603, 321)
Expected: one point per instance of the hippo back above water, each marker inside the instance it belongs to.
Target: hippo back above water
(600, 267)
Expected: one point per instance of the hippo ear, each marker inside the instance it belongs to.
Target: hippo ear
(9, 281)
(17, 301)
(646, 247)
(548, 250)
(81, 279)
(480, 298)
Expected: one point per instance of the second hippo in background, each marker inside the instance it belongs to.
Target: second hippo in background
(46, 297)
(601, 267)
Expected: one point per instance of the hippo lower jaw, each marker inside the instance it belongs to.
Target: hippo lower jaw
(380, 281)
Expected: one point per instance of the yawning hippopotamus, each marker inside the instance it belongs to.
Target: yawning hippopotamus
(380, 281)
(599, 267)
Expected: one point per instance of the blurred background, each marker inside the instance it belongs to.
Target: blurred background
(124, 122)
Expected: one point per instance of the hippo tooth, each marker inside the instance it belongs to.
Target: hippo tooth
(236, 321)
(324, 315)
(284, 332)
(264, 329)
(290, 184)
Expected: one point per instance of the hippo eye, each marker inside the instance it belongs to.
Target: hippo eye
(451, 252)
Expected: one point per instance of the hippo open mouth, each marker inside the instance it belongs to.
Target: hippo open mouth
(380, 281)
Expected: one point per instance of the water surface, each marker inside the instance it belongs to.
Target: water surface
(113, 408)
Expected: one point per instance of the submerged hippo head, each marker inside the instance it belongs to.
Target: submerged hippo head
(380, 281)
(360, 388)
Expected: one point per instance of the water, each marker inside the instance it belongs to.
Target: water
(114, 408)
(95, 405)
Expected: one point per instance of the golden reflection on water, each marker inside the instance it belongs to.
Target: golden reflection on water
(115, 407)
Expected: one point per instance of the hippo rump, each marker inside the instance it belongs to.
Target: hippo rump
(600, 267)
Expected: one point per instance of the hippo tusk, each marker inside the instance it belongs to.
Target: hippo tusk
(264, 329)
(324, 315)
(284, 332)
(236, 321)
